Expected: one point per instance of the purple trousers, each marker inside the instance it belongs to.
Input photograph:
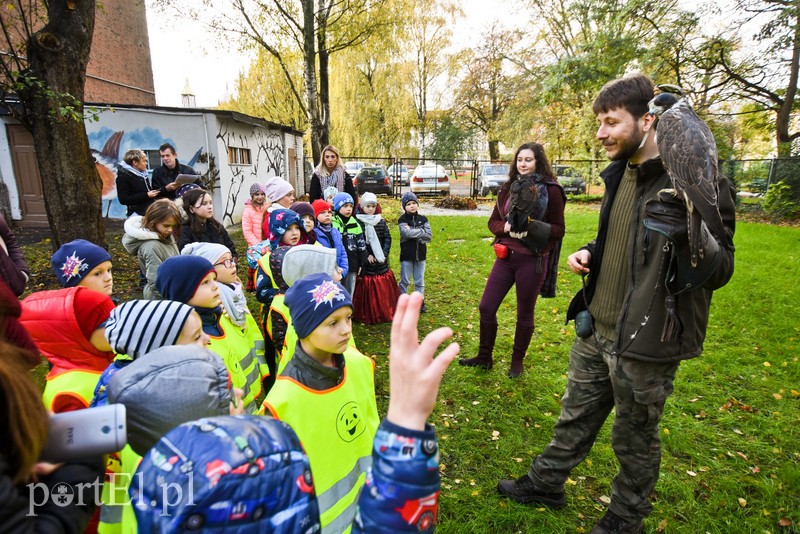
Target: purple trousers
(528, 273)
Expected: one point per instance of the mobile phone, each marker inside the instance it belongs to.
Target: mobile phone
(84, 433)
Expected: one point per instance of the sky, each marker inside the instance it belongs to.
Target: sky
(184, 50)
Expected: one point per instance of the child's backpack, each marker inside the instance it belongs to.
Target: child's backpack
(233, 473)
(255, 252)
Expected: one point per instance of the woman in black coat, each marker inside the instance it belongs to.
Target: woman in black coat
(330, 173)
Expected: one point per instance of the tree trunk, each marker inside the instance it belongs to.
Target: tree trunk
(310, 78)
(494, 150)
(58, 55)
(784, 118)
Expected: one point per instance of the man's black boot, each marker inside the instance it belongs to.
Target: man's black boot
(525, 491)
(611, 523)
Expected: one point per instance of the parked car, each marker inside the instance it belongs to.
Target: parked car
(352, 167)
(491, 177)
(374, 179)
(570, 179)
(431, 179)
(399, 173)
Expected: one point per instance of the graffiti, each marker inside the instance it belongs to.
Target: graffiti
(265, 147)
(108, 158)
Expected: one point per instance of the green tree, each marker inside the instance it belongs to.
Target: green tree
(44, 71)
(487, 87)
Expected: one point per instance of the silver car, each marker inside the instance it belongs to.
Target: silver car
(430, 179)
(492, 177)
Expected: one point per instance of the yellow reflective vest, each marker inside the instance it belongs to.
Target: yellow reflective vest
(242, 350)
(78, 383)
(336, 427)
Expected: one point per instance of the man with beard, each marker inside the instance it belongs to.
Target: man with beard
(628, 358)
(164, 177)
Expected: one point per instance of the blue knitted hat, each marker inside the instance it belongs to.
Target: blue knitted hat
(312, 299)
(179, 276)
(75, 259)
(407, 197)
(340, 200)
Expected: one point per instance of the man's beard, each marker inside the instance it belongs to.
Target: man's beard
(628, 147)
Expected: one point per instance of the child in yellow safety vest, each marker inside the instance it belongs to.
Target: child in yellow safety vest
(327, 394)
(235, 336)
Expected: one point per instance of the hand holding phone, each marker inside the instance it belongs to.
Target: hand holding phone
(84, 433)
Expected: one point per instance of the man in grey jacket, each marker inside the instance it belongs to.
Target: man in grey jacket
(642, 323)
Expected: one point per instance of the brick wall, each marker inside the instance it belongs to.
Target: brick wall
(120, 70)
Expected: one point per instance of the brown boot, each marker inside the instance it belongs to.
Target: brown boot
(522, 338)
(488, 335)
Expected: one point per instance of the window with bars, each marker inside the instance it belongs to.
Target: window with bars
(238, 156)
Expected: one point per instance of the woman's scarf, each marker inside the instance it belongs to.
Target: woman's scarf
(331, 179)
(141, 174)
(372, 236)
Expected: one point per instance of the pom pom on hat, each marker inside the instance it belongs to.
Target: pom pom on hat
(319, 206)
(76, 259)
(340, 200)
(312, 299)
(276, 188)
(408, 197)
(179, 276)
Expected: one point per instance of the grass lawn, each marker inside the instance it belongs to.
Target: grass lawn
(730, 431)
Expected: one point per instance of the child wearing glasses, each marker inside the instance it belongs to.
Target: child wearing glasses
(204, 277)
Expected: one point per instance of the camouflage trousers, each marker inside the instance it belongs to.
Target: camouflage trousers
(599, 381)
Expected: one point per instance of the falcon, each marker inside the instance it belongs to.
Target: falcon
(689, 154)
(523, 199)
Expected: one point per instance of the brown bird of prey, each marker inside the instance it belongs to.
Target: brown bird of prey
(523, 199)
(689, 154)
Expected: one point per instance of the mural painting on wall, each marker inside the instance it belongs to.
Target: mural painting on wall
(107, 159)
(268, 148)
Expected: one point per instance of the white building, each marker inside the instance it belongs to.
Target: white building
(235, 148)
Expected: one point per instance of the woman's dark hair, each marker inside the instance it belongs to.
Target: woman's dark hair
(23, 417)
(160, 211)
(543, 168)
(196, 223)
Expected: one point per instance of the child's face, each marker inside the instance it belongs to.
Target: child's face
(204, 207)
(346, 210)
(286, 201)
(332, 334)
(207, 293)
(166, 228)
(258, 198)
(192, 332)
(225, 268)
(329, 200)
(368, 209)
(324, 217)
(411, 207)
(99, 279)
(308, 222)
(292, 235)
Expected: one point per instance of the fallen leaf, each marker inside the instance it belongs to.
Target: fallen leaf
(742, 502)
(767, 364)
(571, 482)
(737, 431)
(662, 526)
(755, 469)
(741, 455)
(495, 435)
(475, 493)
(605, 499)
(784, 522)
(475, 403)
(691, 473)
(795, 393)
(776, 395)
